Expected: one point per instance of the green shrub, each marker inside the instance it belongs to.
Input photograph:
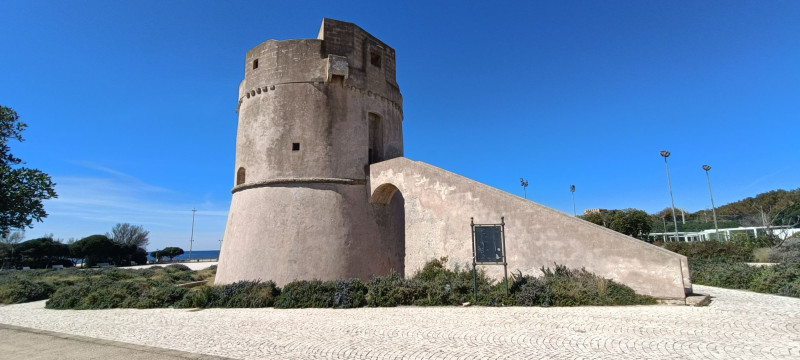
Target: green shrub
(497, 296)
(99, 288)
(159, 296)
(779, 279)
(304, 294)
(318, 294)
(782, 279)
(107, 293)
(530, 291)
(386, 291)
(91, 293)
(118, 274)
(567, 287)
(730, 250)
(788, 252)
(790, 289)
(721, 273)
(248, 294)
(179, 273)
(177, 267)
(619, 294)
(349, 294)
(200, 297)
(123, 288)
(434, 285)
(24, 290)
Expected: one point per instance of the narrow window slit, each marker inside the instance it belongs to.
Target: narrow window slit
(375, 58)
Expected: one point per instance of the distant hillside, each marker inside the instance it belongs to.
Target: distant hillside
(777, 206)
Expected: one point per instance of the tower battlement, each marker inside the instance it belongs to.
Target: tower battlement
(342, 51)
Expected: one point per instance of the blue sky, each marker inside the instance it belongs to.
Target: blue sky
(130, 104)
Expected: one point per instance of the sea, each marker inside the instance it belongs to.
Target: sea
(196, 255)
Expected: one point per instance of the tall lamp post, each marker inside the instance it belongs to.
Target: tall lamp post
(713, 208)
(572, 190)
(666, 154)
(524, 184)
(191, 239)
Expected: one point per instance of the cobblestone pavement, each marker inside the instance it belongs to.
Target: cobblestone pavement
(737, 324)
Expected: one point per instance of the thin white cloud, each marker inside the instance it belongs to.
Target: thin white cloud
(89, 205)
(765, 177)
(119, 175)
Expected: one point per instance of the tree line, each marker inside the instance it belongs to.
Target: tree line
(777, 208)
(123, 246)
(22, 192)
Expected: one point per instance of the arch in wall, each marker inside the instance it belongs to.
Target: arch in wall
(388, 206)
(240, 176)
(383, 194)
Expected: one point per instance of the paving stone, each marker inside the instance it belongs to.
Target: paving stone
(735, 325)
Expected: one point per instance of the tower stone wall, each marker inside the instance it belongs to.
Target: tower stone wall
(313, 114)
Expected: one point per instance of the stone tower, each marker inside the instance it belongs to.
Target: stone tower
(313, 115)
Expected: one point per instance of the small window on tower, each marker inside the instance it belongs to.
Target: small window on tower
(240, 176)
(295, 146)
(255, 64)
(375, 58)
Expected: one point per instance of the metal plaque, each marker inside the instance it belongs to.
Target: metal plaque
(488, 244)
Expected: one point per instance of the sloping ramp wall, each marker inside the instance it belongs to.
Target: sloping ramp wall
(439, 204)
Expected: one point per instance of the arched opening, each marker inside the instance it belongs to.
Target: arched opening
(388, 206)
(240, 176)
(383, 194)
(375, 152)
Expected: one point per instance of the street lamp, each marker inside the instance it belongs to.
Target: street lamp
(524, 184)
(191, 239)
(666, 154)
(572, 190)
(713, 209)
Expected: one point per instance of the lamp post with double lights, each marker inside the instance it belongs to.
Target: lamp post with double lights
(524, 184)
(713, 208)
(572, 190)
(666, 154)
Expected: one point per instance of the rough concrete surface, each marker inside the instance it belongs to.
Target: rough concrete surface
(439, 205)
(736, 325)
